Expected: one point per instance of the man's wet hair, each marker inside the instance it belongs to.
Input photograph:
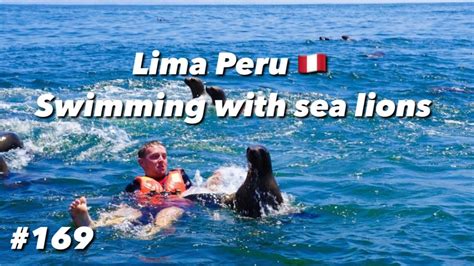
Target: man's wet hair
(142, 150)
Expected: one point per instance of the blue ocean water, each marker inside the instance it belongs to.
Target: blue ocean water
(372, 191)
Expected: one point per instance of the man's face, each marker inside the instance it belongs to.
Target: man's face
(155, 162)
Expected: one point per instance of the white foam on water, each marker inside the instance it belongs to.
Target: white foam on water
(18, 158)
(136, 89)
(231, 177)
(288, 207)
(7, 105)
(28, 127)
(454, 122)
(113, 141)
(11, 103)
(67, 137)
(198, 178)
(77, 140)
(20, 91)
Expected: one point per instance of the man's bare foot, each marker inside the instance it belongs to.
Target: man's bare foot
(79, 213)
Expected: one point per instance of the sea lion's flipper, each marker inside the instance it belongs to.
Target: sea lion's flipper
(196, 85)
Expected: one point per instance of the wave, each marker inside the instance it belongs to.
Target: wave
(68, 140)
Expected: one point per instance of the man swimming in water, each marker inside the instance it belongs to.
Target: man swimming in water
(164, 187)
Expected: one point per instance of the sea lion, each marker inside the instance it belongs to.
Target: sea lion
(260, 191)
(8, 141)
(3, 168)
(198, 88)
(345, 37)
(216, 93)
(257, 195)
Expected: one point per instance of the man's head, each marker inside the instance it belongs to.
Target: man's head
(153, 159)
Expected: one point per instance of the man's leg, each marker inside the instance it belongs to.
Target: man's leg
(164, 219)
(80, 215)
(167, 216)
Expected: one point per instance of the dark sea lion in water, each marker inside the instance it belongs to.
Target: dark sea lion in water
(260, 191)
(8, 141)
(198, 88)
(345, 37)
(257, 195)
(216, 93)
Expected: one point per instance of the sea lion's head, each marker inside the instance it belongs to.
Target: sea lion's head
(259, 161)
(9, 141)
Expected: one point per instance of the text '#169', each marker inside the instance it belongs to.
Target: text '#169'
(60, 240)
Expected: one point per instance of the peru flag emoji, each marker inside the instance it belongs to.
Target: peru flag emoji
(312, 63)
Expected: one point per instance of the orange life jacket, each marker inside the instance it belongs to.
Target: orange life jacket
(153, 192)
